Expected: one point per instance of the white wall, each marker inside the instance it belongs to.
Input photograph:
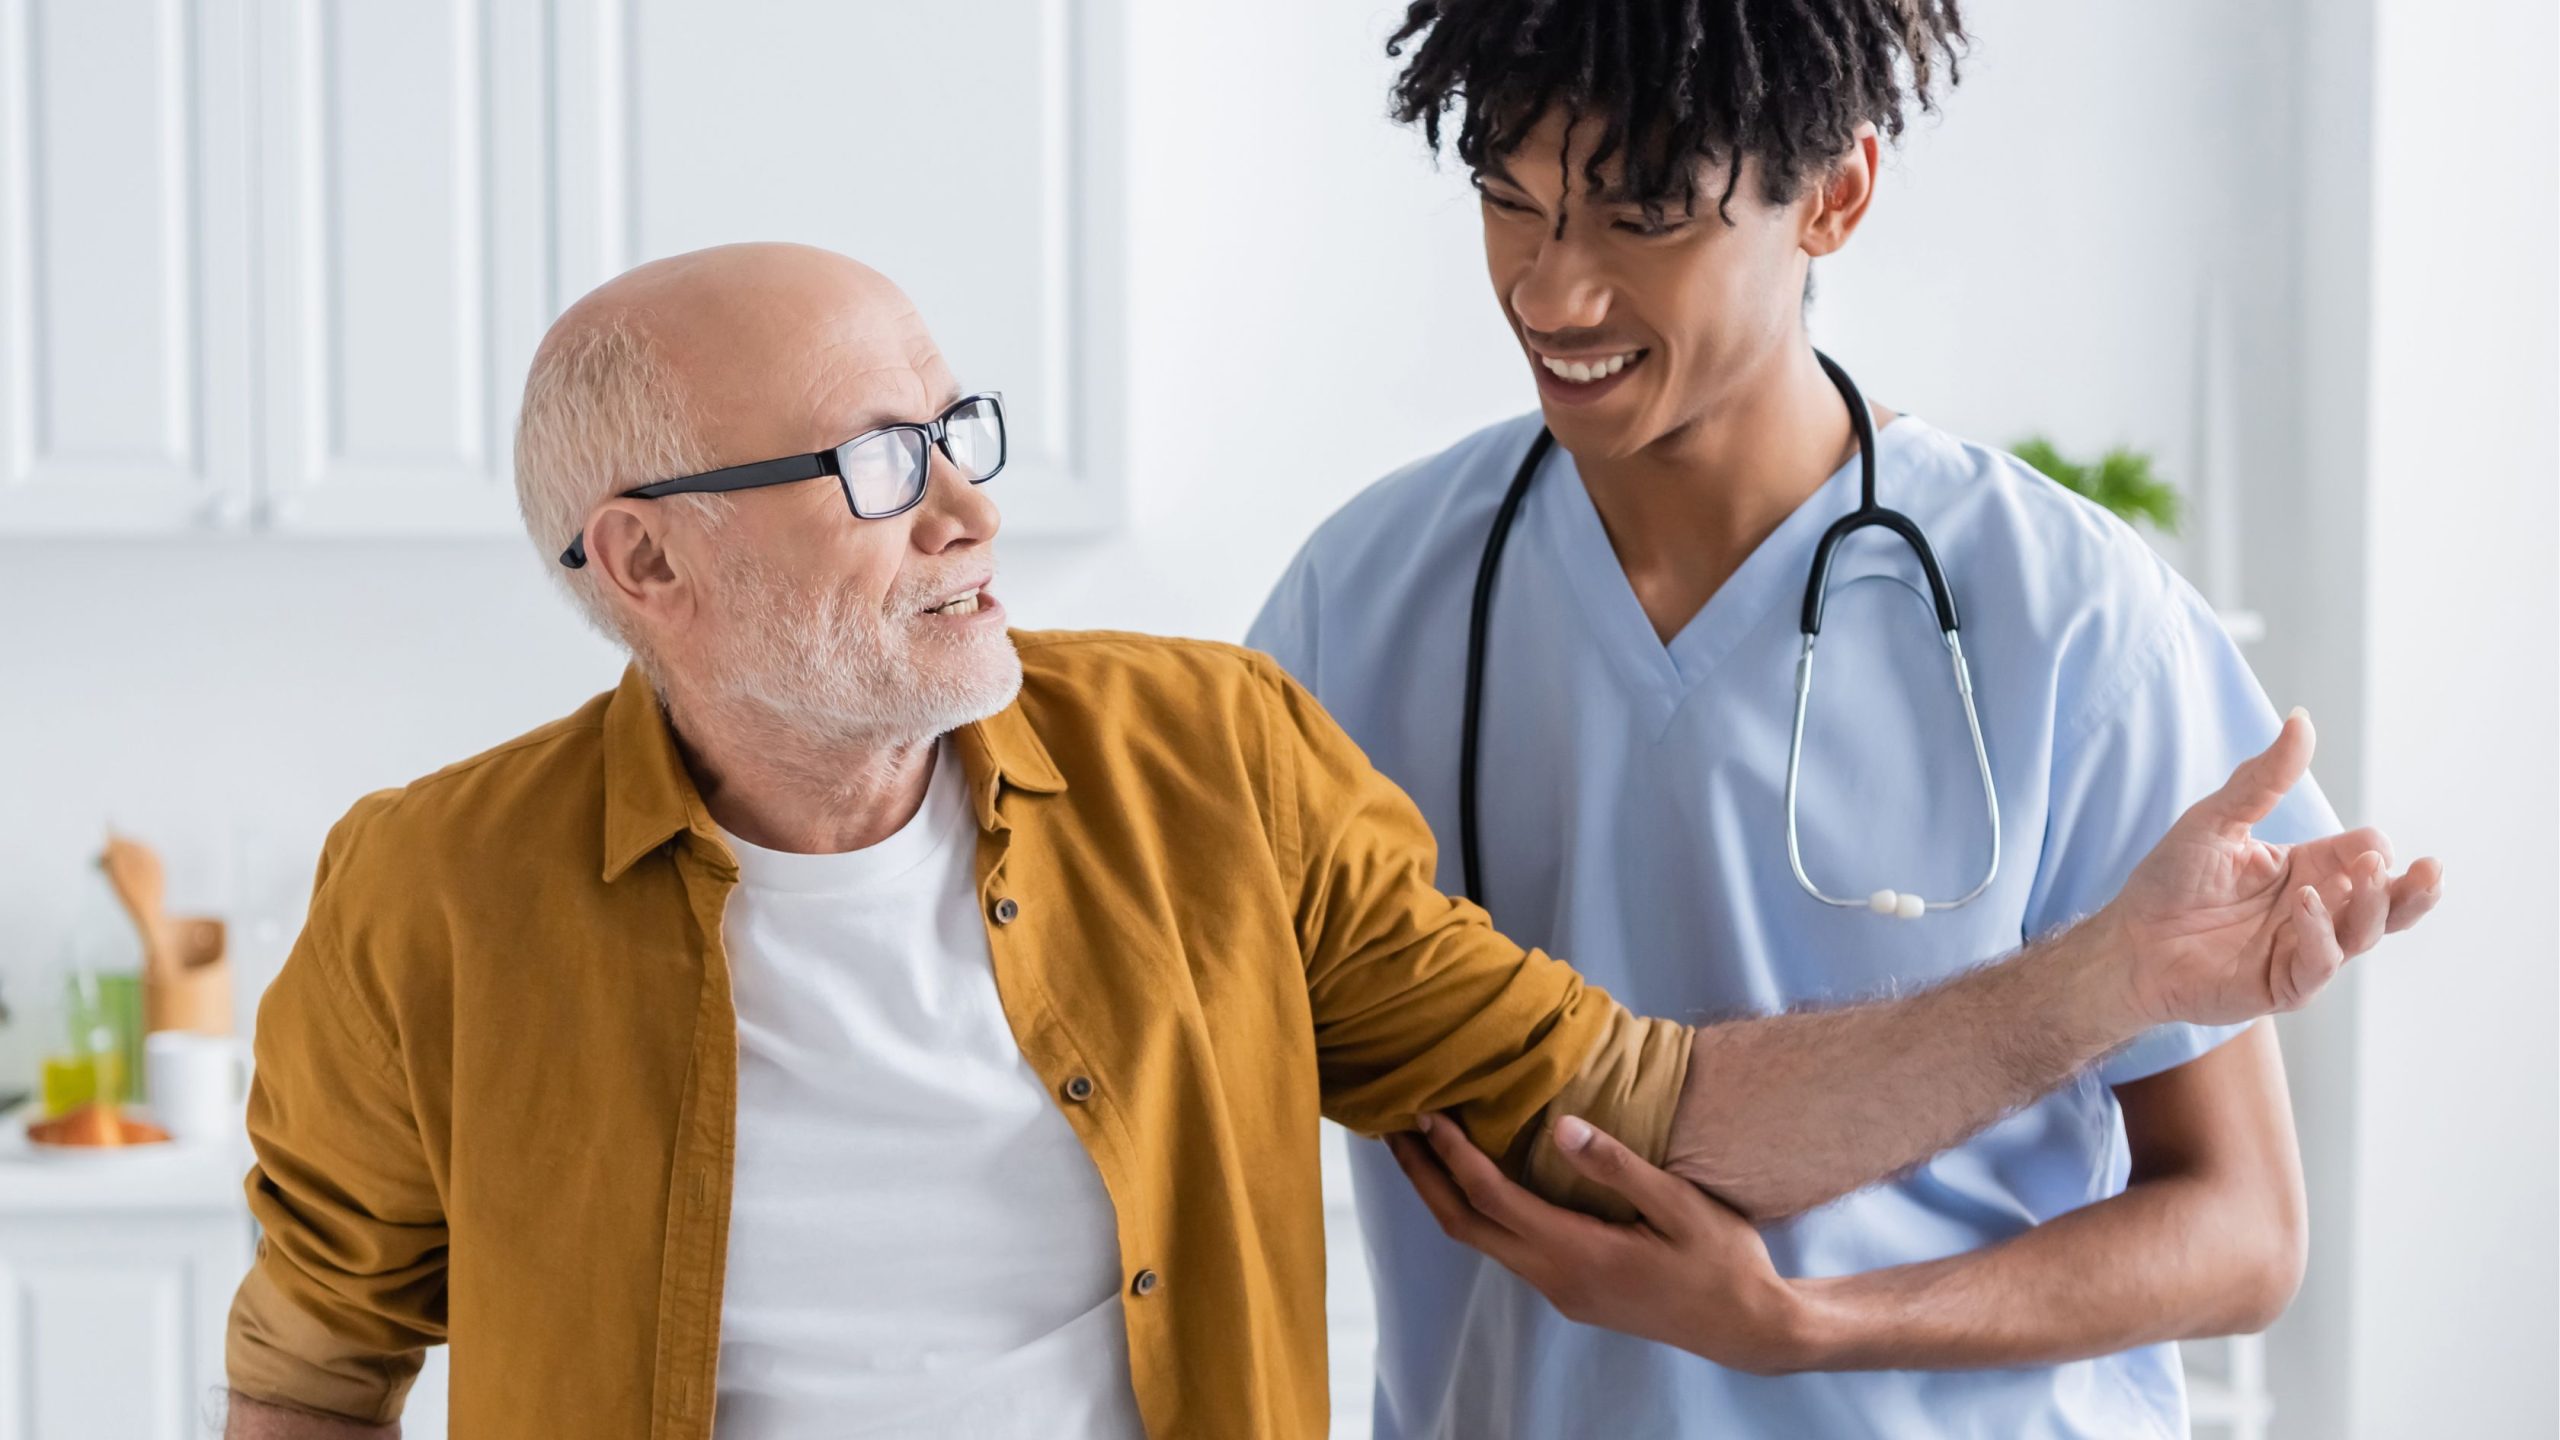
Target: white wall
(2455, 1331)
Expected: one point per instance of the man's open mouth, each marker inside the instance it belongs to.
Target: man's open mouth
(964, 603)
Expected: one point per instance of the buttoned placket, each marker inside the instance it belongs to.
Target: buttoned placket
(1071, 1075)
(695, 1259)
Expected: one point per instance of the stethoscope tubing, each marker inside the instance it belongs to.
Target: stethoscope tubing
(1817, 583)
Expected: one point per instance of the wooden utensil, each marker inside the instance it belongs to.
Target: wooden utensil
(194, 992)
(186, 977)
(141, 886)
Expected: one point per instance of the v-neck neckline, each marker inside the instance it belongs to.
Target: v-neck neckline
(1665, 673)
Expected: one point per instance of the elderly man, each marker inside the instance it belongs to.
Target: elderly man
(865, 1020)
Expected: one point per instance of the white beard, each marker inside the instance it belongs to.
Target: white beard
(837, 672)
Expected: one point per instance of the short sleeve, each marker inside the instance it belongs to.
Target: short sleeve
(1286, 628)
(2178, 713)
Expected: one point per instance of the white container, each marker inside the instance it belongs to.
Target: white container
(198, 1084)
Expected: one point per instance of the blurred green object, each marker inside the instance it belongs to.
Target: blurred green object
(104, 1018)
(120, 1012)
(2121, 480)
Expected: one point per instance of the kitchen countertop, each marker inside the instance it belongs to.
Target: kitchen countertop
(180, 1177)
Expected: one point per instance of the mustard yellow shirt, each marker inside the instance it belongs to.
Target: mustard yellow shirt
(497, 1077)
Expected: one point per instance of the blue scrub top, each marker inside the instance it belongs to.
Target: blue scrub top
(1633, 823)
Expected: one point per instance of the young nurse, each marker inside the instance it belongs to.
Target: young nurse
(1658, 177)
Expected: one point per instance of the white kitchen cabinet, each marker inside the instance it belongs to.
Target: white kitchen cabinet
(279, 265)
(405, 258)
(125, 324)
(116, 1275)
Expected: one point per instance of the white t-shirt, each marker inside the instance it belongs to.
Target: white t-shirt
(918, 1243)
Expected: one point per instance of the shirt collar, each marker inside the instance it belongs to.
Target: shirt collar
(1004, 749)
(649, 797)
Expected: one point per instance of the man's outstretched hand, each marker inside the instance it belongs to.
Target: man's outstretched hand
(2219, 927)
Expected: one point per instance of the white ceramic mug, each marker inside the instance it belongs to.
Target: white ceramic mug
(197, 1083)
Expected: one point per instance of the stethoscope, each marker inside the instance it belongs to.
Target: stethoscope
(1902, 904)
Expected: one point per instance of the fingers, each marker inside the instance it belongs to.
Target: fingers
(1447, 1204)
(2367, 837)
(1666, 1201)
(1493, 1194)
(2252, 792)
(2316, 954)
(2359, 923)
(2415, 893)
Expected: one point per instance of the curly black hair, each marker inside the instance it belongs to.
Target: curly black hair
(1677, 83)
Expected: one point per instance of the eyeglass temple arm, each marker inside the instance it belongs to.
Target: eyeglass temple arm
(784, 471)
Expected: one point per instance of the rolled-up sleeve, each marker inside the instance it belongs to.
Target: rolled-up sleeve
(1420, 1005)
(348, 1288)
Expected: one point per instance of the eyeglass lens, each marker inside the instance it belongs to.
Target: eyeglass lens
(886, 472)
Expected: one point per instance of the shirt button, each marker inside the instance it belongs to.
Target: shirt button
(1145, 1284)
(1005, 910)
(1080, 1089)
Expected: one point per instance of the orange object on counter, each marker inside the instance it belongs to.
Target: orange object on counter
(95, 1126)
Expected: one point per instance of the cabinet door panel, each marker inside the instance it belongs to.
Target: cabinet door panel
(115, 1329)
(968, 149)
(124, 340)
(406, 162)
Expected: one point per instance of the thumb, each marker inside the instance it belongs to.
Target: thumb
(1662, 1198)
(2262, 780)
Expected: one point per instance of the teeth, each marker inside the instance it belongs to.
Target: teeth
(1584, 372)
(965, 605)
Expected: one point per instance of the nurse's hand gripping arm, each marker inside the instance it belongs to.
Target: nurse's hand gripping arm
(2214, 927)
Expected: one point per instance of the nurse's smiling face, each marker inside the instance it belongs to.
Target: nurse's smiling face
(1636, 326)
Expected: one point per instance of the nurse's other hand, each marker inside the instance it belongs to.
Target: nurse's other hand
(2218, 927)
(1691, 1272)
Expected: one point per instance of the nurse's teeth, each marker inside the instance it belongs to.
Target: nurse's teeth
(1584, 372)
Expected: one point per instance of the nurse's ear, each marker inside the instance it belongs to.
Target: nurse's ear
(1837, 200)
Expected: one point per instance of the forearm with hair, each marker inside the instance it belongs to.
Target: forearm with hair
(251, 1419)
(1782, 1114)
(2208, 1239)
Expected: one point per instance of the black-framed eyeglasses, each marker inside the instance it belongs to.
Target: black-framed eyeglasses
(883, 472)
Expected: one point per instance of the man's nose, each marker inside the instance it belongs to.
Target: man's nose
(954, 512)
(1560, 290)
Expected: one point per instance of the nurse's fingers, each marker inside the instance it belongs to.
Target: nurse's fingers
(1494, 1195)
(2262, 780)
(1441, 1196)
(1666, 1201)
(2315, 957)
(2414, 893)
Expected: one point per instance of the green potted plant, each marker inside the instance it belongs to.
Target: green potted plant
(2121, 480)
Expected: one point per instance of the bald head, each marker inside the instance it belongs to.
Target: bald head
(712, 358)
(776, 349)
(726, 357)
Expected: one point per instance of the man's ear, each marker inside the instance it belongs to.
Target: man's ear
(630, 557)
(1841, 197)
